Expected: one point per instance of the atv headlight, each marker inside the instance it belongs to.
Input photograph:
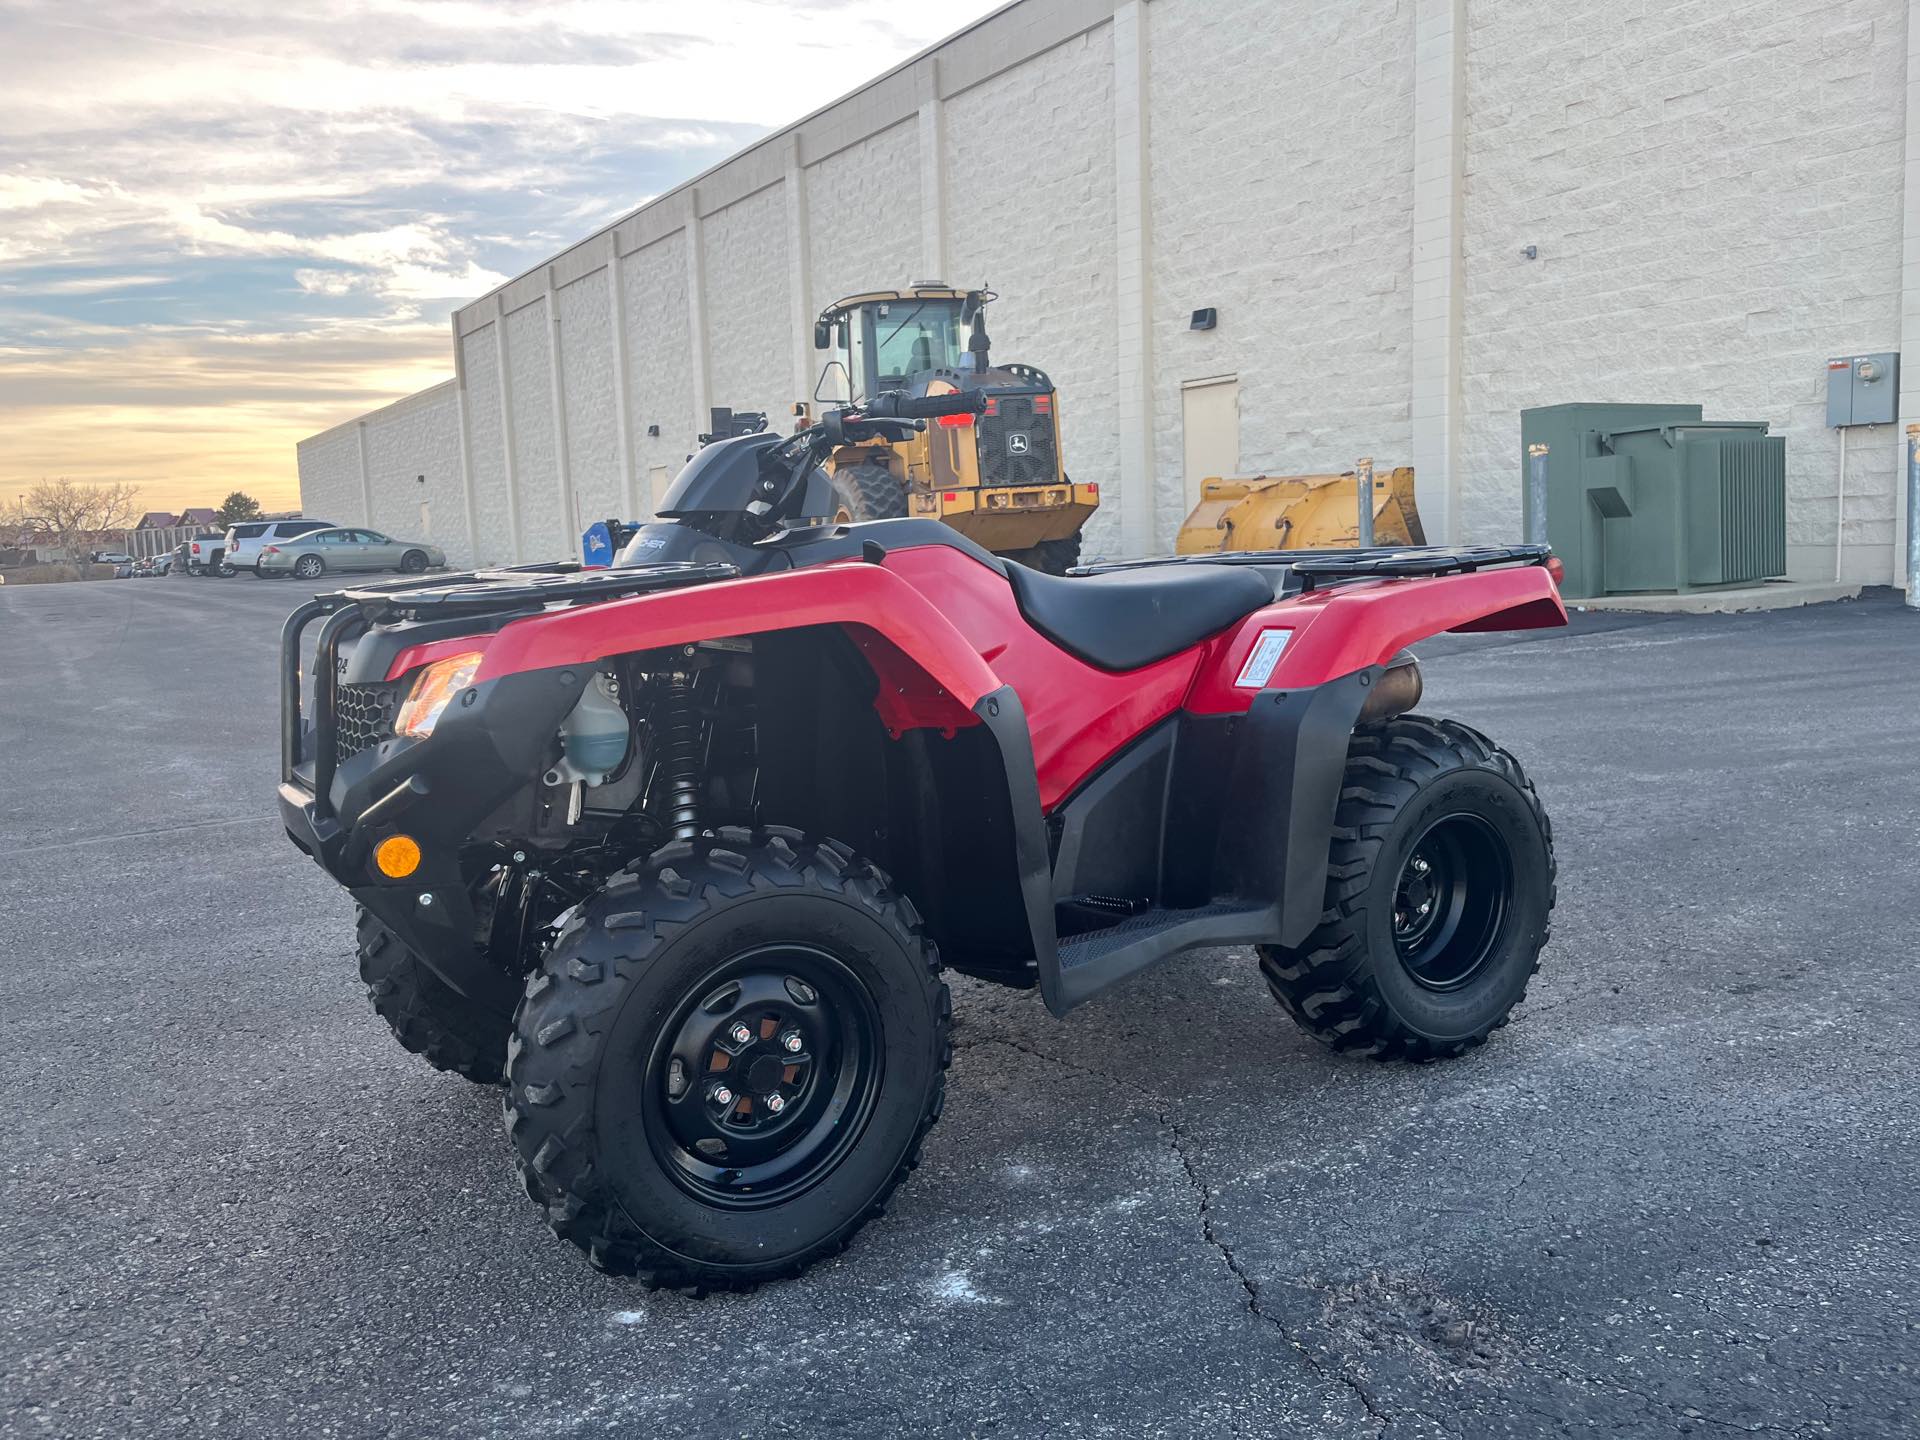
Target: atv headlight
(433, 692)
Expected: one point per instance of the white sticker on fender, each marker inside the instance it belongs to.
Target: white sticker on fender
(1266, 655)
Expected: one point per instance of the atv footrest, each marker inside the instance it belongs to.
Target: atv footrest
(1091, 962)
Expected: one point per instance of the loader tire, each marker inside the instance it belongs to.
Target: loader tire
(427, 1015)
(869, 492)
(727, 1060)
(1440, 885)
(1050, 557)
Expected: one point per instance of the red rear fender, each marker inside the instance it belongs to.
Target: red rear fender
(1346, 628)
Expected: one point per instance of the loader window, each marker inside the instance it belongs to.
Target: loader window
(907, 338)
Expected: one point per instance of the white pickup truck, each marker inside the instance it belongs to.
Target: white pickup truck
(202, 555)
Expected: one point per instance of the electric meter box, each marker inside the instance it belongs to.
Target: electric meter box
(1863, 389)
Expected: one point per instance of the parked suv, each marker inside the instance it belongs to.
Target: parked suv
(244, 542)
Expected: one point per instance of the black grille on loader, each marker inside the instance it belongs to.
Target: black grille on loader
(1016, 443)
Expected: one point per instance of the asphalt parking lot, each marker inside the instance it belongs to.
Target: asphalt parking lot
(1679, 1195)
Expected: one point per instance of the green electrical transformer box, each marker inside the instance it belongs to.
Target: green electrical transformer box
(1653, 498)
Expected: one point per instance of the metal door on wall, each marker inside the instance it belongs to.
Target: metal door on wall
(1210, 430)
(656, 491)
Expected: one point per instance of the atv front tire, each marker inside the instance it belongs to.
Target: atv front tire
(728, 1060)
(1439, 888)
(427, 1015)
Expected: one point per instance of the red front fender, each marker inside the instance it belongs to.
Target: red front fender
(855, 594)
(1345, 628)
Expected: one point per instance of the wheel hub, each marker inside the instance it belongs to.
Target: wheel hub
(1450, 901)
(763, 1076)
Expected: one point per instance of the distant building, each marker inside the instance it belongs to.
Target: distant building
(157, 520)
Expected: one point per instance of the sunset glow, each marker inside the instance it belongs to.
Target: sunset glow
(226, 226)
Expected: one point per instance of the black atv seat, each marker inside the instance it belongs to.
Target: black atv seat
(1124, 619)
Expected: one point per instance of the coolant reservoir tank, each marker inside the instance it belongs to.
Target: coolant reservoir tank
(595, 735)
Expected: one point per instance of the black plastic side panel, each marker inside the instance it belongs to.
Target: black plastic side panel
(1278, 825)
(1248, 820)
(1111, 830)
(1005, 717)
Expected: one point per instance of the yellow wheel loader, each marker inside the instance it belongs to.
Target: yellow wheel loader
(1300, 512)
(997, 477)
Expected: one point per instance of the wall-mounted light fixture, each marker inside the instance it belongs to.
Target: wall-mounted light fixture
(1529, 252)
(654, 431)
(1204, 319)
(420, 479)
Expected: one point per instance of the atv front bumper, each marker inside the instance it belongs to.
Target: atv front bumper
(339, 799)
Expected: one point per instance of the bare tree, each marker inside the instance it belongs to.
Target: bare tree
(75, 515)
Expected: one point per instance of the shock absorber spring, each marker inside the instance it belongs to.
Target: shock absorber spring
(679, 774)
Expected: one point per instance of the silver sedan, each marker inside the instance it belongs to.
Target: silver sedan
(346, 549)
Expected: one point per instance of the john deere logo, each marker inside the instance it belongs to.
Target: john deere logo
(1016, 442)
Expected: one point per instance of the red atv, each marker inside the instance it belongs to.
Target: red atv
(682, 846)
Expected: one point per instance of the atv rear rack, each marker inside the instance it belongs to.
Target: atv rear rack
(1378, 563)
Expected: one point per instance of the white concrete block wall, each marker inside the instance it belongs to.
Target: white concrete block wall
(1718, 196)
(749, 318)
(486, 448)
(1717, 200)
(863, 216)
(330, 475)
(1030, 211)
(586, 354)
(410, 439)
(658, 364)
(1282, 195)
(546, 531)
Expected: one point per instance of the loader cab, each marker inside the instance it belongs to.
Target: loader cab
(892, 340)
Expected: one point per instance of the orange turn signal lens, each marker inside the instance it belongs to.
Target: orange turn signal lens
(397, 856)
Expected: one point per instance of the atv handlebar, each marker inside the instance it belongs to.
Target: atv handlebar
(895, 405)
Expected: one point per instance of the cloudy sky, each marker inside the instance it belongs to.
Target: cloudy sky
(227, 224)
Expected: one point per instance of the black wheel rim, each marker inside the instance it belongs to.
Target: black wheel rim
(764, 1077)
(1450, 901)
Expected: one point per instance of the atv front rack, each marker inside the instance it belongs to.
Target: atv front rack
(1378, 563)
(519, 587)
(491, 596)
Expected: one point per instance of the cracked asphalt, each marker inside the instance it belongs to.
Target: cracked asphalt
(1676, 1197)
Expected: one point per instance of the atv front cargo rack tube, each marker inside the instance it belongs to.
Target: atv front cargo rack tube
(520, 588)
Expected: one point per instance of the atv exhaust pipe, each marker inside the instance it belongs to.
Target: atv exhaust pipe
(1397, 690)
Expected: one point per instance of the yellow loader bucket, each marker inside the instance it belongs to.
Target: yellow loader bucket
(1299, 512)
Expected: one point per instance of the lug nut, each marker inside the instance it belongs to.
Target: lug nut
(776, 1103)
(739, 1034)
(791, 1042)
(1420, 866)
(720, 1095)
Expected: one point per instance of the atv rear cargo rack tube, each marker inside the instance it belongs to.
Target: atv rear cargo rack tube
(1377, 563)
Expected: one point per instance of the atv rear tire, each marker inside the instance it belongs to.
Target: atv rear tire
(673, 1009)
(1440, 885)
(869, 492)
(427, 1015)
